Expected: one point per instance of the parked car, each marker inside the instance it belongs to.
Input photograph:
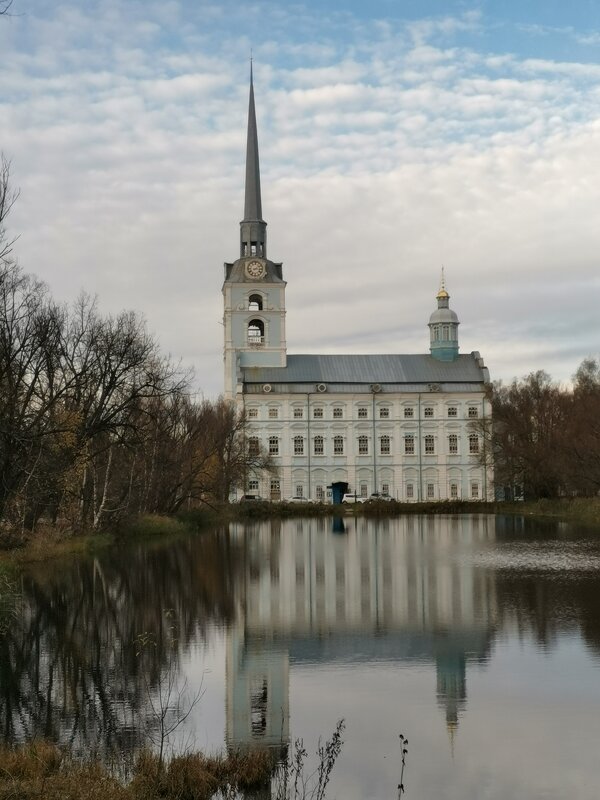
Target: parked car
(247, 498)
(377, 496)
(297, 499)
(351, 497)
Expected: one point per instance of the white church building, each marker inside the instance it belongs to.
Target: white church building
(400, 425)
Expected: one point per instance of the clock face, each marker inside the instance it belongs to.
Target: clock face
(255, 269)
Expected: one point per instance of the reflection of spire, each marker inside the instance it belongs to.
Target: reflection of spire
(452, 727)
(451, 689)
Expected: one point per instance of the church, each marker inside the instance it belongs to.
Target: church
(401, 426)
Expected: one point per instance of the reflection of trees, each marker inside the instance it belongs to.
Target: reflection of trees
(553, 598)
(70, 668)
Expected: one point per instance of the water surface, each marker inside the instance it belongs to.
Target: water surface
(478, 637)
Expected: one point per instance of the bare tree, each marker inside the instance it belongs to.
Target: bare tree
(525, 435)
(8, 196)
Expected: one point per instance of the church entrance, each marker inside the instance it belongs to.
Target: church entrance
(338, 490)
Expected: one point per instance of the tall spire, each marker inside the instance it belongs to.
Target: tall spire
(253, 228)
(252, 205)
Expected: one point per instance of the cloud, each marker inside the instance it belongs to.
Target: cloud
(387, 149)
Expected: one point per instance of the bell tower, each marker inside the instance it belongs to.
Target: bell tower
(443, 327)
(253, 289)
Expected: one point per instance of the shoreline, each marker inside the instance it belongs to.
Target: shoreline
(50, 543)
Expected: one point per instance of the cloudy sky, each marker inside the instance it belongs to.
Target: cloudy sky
(395, 136)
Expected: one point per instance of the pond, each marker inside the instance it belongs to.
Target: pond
(476, 636)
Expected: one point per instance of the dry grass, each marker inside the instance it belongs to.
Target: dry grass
(585, 510)
(41, 770)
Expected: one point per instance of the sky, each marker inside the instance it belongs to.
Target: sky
(396, 136)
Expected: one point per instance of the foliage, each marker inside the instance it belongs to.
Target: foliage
(544, 437)
(95, 424)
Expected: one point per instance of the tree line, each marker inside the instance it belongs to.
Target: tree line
(543, 439)
(95, 423)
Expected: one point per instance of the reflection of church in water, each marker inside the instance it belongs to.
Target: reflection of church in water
(393, 591)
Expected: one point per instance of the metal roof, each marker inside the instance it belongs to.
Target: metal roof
(361, 369)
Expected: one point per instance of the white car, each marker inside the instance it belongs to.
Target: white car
(297, 499)
(378, 496)
(351, 497)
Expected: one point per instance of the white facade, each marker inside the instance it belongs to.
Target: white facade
(411, 446)
(401, 425)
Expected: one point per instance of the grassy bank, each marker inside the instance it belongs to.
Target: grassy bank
(41, 770)
(48, 542)
(584, 510)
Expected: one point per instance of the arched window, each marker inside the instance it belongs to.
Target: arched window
(255, 302)
(298, 445)
(384, 445)
(363, 446)
(473, 444)
(253, 446)
(318, 444)
(338, 445)
(429, 445)
(256, 332)
(453, 444)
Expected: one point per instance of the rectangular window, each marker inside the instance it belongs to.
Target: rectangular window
(363, 490)
(273, 413)
(275, 489)
(253, 446)
(338, 413)
(253, 485)
(318, 413)
(474, 490)
(298, 413)
(362, 412)
(409, 444)
(385, 446)
(454, 491)
(452, 411)
(430, 491)
(273, 446)
(252, 413)
(298, 445)
(429, 445)
(319, 493)
(409, 412)
(318, 443)
(363, 446)
(473, 412)
(299, 490)
(384, 413)
(410, 491)
(428, 411)
(385, 489)
(338, 445)
(473, 444)
(453, 444)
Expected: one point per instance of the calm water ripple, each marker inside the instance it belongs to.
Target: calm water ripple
(478, 637)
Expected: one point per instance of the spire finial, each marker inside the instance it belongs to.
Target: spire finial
(442, 292)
